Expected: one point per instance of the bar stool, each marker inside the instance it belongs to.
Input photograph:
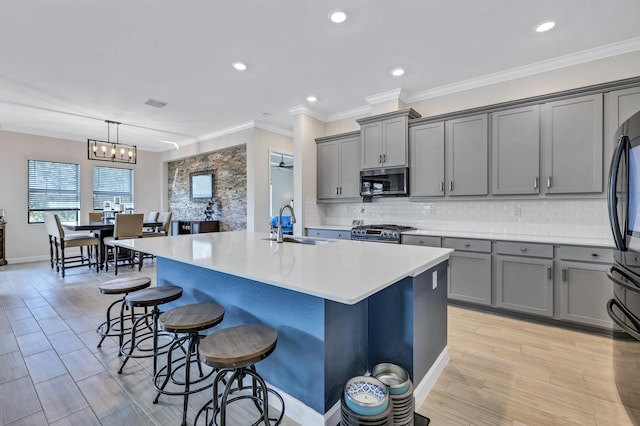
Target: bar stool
(187, 320)
(115, 326)
(154, 296)
(235, 350)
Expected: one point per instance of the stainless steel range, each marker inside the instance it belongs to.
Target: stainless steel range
(379, 233)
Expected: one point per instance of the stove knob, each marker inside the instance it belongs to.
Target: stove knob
(395, 234)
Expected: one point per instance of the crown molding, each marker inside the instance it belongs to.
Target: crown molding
(273, 129)
(390, 95)
(359, 112)
(303, 109)
(577, 58)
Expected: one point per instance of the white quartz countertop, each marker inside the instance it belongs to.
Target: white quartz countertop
(331, 227)
(554, 239)
(342, 271)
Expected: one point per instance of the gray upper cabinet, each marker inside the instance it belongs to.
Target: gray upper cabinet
(619, 106)
(466, 154)
(515, 143)
(572, 142)
(426, 149)
(338, 171)
(384, 139)
(525, 284)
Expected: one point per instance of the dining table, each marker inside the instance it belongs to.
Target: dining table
(102, 229)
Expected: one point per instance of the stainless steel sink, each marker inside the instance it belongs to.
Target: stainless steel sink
(298, 240)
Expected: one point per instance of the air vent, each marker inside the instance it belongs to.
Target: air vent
(156, 103)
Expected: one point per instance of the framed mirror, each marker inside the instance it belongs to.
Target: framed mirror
(202, 184)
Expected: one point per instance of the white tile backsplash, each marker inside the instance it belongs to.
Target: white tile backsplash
(571, 218)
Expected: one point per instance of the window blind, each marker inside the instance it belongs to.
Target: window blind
(109, 182)
(53, 188)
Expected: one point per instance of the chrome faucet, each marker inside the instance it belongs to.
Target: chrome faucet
(279, 237)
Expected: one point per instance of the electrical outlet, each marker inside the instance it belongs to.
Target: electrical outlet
(517, 212)
(434, 280)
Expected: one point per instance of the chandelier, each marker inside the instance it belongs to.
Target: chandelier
(115, 152)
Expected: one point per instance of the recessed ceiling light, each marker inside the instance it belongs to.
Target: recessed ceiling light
(545, 26)
(311, 98)
(338, 16)
(240, 66)
(397, 72)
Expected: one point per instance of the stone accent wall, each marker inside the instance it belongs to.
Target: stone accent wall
(230, 187)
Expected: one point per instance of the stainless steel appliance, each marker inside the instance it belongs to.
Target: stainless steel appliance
(379, 233)
(384, 182)
(624, 216)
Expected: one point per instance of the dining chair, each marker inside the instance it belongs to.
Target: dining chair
(151, 217)
(165, 229)
(126, 226)
(60, 241)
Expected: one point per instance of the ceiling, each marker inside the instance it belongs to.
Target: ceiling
(68, 65)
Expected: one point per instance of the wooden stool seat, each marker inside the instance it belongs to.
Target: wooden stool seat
(124, 285)
(237, 347)
(154, 296)
(192, 318)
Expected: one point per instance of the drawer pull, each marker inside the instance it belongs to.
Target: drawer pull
(523, 249)
(467, 245)
(594, 254)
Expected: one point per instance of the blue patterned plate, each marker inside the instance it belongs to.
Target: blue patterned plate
(366, 395)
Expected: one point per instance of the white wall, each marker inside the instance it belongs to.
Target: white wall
(258, 160)
(28, 242)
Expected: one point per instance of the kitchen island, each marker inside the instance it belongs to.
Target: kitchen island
(339, 307)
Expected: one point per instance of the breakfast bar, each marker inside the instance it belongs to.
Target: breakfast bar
(339, 307)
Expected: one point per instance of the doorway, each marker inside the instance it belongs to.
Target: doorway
(280, 180)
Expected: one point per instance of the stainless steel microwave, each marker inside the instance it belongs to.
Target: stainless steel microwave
(385, 182)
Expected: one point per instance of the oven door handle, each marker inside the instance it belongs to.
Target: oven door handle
(634, 289)
(634, 333)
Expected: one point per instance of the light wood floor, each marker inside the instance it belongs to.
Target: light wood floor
(502, 371)
(510, 372)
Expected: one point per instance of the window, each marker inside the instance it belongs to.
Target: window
(53, 188)
(110, 182)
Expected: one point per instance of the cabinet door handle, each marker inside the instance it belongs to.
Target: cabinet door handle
(524, 249)
(450, 185)
(564, 274)
(340, 190)
(380, 159)
(535, 182)
(441, 186)
(336, 190)
(549, 182)
(549, 272)
(384, 158)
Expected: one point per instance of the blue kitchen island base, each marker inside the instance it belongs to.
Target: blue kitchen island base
(323, 343)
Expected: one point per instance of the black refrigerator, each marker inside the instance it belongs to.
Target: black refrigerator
(624, 306)
(624, 216)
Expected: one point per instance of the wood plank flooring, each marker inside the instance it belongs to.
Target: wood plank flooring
(511, 372)
(502, 371)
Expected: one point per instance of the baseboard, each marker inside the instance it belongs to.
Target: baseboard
(27, 259)
(422, 389)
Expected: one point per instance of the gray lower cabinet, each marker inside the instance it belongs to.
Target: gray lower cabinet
(466, 152)
(329, 233)
(338, 174)
(525, 284)
(524, 277)
(469, 270)
(584, 286)
(515, 143)
(572, 142)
